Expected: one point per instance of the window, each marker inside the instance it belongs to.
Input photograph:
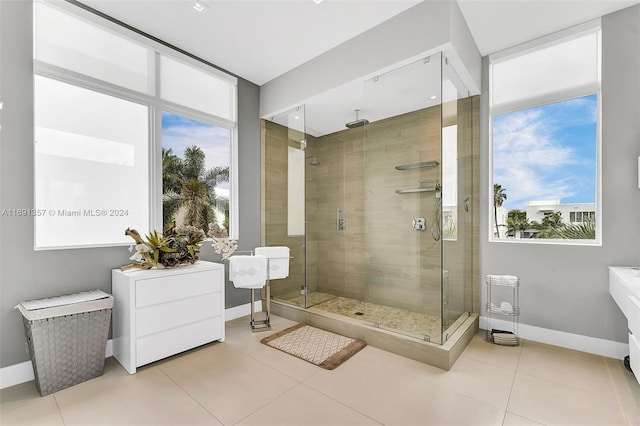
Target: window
(103, 128)
(195, 173)
(80, 158)
(582, 217)
(544, 112)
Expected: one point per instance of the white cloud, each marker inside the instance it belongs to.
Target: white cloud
(213, 140)
(529, 158)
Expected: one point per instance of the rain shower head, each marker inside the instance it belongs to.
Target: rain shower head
(358, 122)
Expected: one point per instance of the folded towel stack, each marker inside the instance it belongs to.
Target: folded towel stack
(248, 271)
(506, 280)
(505, 338)
(278, 260)
(504, 308)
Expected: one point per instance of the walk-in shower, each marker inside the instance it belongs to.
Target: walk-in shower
(382, 227)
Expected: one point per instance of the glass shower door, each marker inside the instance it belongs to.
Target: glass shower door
(403, 200)
(328, 221)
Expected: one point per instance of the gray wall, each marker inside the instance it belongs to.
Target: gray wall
(565, 288)
(26, 274)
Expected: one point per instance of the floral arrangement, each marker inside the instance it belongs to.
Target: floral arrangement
(178, 246)
(221, 242)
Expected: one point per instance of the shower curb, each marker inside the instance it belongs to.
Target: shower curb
(441, 356)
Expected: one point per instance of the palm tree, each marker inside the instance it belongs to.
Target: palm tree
(549, 226)
(499, 196)
(517, 221)
(171, 186)
(578, 231)
(199, 187)
(191, 187)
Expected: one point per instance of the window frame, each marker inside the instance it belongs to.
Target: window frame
(550, 98)
(156, 105)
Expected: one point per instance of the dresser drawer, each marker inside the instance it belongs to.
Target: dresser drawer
(164, 289)
(161, 345)
(633, 315)
(157, 318)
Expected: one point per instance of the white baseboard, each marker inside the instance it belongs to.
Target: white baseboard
(23, 372)
(592, 345)
(241, 310)
(16, 374)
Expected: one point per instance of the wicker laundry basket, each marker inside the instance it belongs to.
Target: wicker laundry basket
(67, 338)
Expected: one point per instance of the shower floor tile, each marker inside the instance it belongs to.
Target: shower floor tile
(414, 324)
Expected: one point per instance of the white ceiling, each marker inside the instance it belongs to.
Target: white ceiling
(499, 24)
(259, 40)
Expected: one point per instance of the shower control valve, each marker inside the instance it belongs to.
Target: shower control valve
(419, 224)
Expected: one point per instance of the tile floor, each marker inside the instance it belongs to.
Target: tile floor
(242, 382)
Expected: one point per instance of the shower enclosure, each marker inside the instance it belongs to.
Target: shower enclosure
(379, 214)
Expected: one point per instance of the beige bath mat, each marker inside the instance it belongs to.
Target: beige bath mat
(320, 347)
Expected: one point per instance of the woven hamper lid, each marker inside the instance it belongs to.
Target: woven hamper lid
(86, 301)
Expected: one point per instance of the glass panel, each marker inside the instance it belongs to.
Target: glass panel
(188, 86)
(457, 191)
(88, 148)
(196, 158)
(403, 200)
(284, 202)
(559, 67)
(69, 42)
(332, 223)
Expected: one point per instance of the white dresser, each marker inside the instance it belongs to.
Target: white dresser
(161, 312)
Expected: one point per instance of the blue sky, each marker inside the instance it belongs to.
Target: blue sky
(179, 133)
(547, 153)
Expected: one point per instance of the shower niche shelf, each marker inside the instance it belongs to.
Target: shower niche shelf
(503, 307)
(414, 190)
(423, 165)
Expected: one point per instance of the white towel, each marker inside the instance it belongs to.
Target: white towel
(278, 257)
(506, 307)
(248, 271)
(507, 280)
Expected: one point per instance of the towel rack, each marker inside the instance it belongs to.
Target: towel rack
(415, 190)
(249, 252)
(423, 165)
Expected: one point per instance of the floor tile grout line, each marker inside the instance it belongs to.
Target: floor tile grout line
(59, 409)
(250, 355)
(269, 402)
(582, 389)
(513, 382)
(577, 388)
(300, 382)
(342, 403)
(615, 390)
(188, 394)
(601, 359)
